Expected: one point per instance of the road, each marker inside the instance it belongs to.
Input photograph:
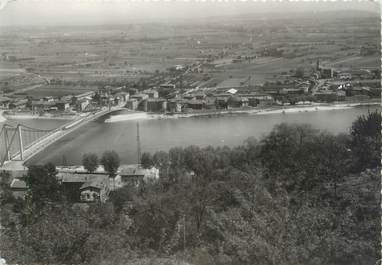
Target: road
(46, 80)
(23, 89)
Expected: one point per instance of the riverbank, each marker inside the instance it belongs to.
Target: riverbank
(27, 116)
(133, 115)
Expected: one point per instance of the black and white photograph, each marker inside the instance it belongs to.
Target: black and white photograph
(190, 132)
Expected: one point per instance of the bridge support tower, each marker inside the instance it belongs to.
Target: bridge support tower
(20, 142)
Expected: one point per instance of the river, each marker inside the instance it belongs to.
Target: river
(155, 135)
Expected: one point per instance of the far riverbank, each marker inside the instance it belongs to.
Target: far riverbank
(27, 116)
(133, 115)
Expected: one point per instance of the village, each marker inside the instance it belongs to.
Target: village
(316, 85)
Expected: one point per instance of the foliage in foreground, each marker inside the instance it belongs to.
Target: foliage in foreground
(298, 196)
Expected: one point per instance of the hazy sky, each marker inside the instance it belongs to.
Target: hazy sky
(89, 12)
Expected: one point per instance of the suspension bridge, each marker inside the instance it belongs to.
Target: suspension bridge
(19, 143)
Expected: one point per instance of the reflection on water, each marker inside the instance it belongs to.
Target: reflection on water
(158, 135)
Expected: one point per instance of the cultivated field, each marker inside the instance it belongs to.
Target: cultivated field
(223, 48)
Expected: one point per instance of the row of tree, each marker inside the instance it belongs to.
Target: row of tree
(110, 161)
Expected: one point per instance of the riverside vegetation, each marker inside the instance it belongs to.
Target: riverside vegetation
(296, 196)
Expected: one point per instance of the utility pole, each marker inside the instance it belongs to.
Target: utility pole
(138, 145)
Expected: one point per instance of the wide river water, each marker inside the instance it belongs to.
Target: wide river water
(155, 135)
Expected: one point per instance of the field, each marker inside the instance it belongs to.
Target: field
(357, 62)
(55, 91)
(126, 54)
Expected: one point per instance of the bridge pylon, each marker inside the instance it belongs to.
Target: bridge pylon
(15, 139)
(20, 142)
(6, 143)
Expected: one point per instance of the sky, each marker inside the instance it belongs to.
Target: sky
(99, 12)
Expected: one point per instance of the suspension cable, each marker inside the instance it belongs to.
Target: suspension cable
(27, 128)
(8, 149)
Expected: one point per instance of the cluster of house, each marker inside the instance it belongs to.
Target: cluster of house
(340, 89)
(354, 74)
(149, 101)
(353, 82)
(87, 101)
(48, 104)
(350, 74)
(79, 185)
(67, 103)
(336, 89)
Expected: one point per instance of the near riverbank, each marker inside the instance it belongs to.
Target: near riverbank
(133, 115)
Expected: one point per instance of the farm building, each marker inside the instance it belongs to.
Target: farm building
(135, 175)
(139, 97)
(18, 104)
(41, 106)
(62, 105)
(156, 105)
(18, 188)
(132, 104)
(151, 93)
(84, 187)
(121, 97)
(95, 190)
(174, 105)
(4, 102)
(326, 72)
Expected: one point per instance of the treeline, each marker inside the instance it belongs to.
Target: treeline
(297, 196)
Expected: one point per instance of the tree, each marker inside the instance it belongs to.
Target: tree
(5, 191)
(161, 159)
(110, 161)
(278, 149)
(299, 72)
(90, 162)
(176, 157)
(121, 196)
(42, 184)
(29, 102)
(365, 142)
(146, 160)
